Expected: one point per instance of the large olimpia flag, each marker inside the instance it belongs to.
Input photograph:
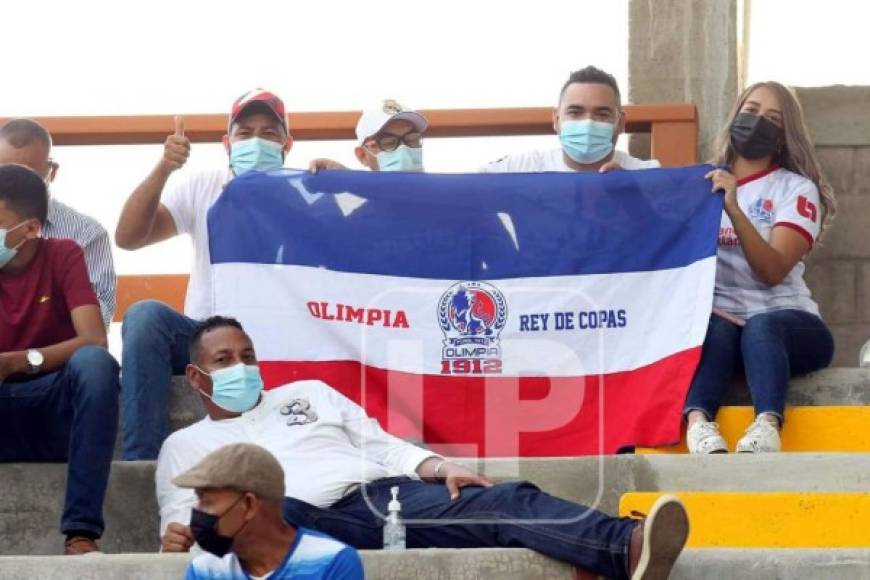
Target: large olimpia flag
(483, 315)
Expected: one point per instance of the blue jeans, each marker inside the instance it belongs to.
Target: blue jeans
(585, 538)
(155, 347)
(770, 349)
(68, 415)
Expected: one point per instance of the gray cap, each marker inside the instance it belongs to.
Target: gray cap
(241, 466)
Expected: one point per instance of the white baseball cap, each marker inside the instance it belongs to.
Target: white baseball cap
(373, 120)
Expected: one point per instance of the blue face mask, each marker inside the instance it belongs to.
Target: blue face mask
(403, 158)
(7, 254)
(236, 388)
(255, 154)
(586, 141)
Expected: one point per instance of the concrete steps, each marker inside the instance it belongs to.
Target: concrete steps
(504, 564)
(737, 519)
(836, 386)
(829, 411)
(31, 495)
(816, 429)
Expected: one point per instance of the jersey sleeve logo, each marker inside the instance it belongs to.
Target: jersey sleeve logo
(807, 209)
(762, 211)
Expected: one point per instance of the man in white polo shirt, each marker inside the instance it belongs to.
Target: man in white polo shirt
(340, 466)
(588, 120)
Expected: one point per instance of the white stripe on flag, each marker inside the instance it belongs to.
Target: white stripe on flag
(287, 309)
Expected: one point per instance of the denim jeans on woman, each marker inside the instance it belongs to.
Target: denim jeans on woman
(770, 349)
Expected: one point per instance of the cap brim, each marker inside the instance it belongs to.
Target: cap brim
(419, 121)
(192, 479)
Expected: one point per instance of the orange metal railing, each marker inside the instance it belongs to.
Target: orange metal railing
(673, 127)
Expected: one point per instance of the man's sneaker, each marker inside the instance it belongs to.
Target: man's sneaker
(760, 437)
(665, 532)
(703, 437)
(79, 546)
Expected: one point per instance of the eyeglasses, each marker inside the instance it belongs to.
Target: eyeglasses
(390, 142)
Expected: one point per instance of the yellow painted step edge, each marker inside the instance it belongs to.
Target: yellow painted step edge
(823, 429)
(768, 520)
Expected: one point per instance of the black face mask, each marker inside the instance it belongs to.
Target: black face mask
(754, 136)
(204, 528)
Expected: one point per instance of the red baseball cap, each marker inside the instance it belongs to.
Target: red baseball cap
(261, 98)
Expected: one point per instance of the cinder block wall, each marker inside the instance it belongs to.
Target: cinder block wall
(838, 270)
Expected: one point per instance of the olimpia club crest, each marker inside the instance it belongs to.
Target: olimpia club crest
(471, 316)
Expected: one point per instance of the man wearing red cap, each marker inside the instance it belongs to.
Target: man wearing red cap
(155, 335)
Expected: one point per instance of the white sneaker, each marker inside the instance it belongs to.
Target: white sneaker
(665, 532)
(703, 437)
(760, 437)
(864, 357)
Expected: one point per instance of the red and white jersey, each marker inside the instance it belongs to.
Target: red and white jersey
(771, 198)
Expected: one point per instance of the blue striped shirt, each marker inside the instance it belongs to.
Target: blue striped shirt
(63, 221)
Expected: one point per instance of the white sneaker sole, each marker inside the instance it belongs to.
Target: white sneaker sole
(665, 532)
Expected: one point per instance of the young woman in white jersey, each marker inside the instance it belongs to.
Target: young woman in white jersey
(764, 321)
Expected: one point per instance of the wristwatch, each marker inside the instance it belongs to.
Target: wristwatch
(34, 361)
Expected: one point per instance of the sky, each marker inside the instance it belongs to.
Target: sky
(93, 57)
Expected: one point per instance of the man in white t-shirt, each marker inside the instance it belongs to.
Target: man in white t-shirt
(341, 470)
(154, 335)
(588, 121)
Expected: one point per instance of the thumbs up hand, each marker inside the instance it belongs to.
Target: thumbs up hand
(176, 149)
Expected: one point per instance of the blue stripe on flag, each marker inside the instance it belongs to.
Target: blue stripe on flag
(445, 226)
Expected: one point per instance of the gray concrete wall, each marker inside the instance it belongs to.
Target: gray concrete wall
(683, 51)
(838, 270)
(686, 51)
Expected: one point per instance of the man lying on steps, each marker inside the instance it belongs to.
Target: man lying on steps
(340, 466)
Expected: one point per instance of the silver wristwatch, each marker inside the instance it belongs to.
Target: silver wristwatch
(34, 361)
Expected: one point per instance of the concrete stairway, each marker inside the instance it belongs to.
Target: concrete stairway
(503, 564)
(828, 411)
(31, 496)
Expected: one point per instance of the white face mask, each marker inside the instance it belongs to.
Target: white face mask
(8, 254)
(403, 158)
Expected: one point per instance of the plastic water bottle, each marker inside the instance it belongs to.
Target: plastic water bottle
(394, 527)
(864, 357)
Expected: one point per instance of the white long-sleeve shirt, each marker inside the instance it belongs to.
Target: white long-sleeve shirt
(324, 441)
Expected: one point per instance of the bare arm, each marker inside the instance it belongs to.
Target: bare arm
(771, 261)
(144, 220)
(90, 331)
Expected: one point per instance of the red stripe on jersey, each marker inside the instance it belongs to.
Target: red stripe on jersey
(798, 229)
(757, 175)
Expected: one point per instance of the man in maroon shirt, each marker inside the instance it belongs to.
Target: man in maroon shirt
(58, 383)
